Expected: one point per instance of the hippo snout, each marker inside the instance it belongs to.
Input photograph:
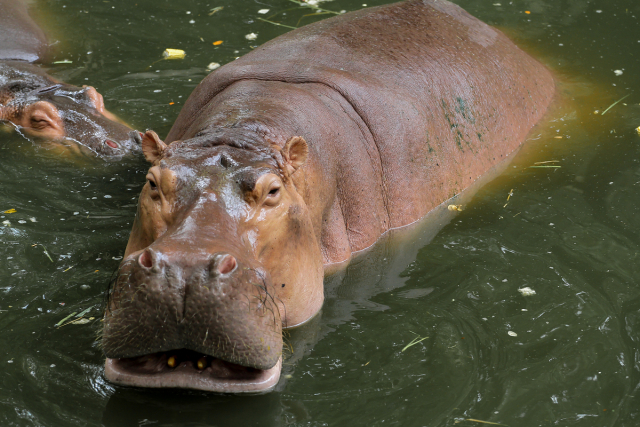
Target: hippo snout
(215, 304)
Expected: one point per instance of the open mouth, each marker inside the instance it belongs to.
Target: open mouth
(192, 370)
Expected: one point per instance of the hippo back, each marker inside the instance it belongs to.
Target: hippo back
(20, 38)
(439, 98)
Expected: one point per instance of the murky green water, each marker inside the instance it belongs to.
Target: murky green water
(569, 355)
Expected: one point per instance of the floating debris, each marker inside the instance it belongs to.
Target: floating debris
(617, 72)
(546, 164)
(215, 10)
(508, 197)
(64, 61)
(638, 130)
(263, 11)
(218, 42)
(275, 23)
(174, 54)
(414, 341)
(80, 319)
(44, 249)
(615, 103)
(526, 291)
(314, 5)
(512, 334)
(479, 421)
(457, 208)
(66, 318)
(6, 223)
(251, 36)
(10, 211)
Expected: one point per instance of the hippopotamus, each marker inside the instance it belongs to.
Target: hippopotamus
(291, 159)
(45, 108)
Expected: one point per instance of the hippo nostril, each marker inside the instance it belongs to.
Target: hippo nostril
(145, 259)
(227, 264)
(111, 143)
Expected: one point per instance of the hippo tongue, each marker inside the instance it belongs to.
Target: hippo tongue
(179, 369)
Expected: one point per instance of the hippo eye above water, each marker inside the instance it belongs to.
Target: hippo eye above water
(273, 196)
(152, 185)
(38, 124)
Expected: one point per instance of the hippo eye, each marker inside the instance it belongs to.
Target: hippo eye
(273, 197)
(39, 123)
(152, 185)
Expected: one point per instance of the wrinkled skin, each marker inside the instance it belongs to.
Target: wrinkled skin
(44, 108)
(291, 159)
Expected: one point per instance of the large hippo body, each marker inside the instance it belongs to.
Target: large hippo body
(43, 107)
(292, 158)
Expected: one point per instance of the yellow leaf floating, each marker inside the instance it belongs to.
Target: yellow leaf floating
(10, 211)
(217, 43)
(174, 54)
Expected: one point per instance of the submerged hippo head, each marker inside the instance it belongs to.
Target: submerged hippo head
(222, 256)
(45, 109)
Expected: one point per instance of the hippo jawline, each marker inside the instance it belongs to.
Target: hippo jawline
(153, 371)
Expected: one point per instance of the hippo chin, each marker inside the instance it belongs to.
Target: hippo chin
(292, 158)
(44, 108)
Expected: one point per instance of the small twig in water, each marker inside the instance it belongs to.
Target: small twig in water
(414, 341)
(275, 23)
(311, 14)
(65, 319)
(614, 104)
(508, 197)
(484, 422)
(44, 249)
(216, 9)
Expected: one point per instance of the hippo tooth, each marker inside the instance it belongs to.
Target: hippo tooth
(202, 363)
(172, 362)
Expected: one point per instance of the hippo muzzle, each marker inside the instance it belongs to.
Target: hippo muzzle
(198, 319)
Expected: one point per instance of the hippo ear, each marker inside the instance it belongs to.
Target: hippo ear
(295, 152)
(95, 98)
(152, 146)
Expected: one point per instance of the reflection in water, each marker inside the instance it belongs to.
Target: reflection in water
(565, 356)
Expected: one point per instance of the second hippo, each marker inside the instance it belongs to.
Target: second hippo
(45, 108)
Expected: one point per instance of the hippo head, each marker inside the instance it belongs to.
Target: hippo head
(222, 256)
(61, 113)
